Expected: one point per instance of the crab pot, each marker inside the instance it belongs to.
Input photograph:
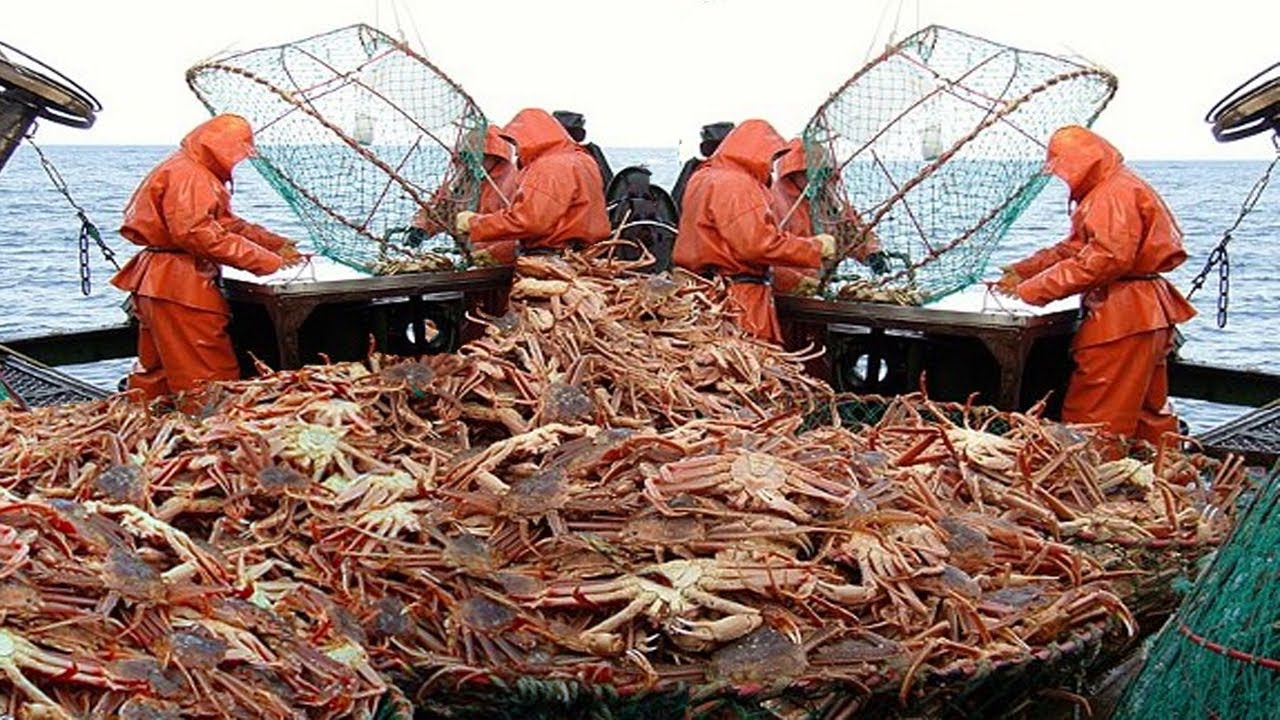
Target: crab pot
(935, 148)
(356, 132)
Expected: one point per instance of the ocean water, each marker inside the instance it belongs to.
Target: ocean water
(40, 281)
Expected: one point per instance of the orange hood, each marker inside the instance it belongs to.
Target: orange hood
(535, 133)
(1082, 158)
(494, 145)
(792, 159)
(751, 146)
(219, 143)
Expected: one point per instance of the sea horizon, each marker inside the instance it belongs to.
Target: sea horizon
(675, 146)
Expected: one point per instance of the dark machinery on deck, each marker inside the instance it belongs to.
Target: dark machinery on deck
(643, 213)
(1251, 108)
(28, 93)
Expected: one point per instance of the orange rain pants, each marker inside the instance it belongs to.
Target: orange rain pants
(179, 347)
(1125, 384)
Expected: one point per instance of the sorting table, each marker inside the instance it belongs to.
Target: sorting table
(1008, 328)
(292, 294)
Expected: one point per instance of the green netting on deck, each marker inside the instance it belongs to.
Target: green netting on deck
(935, 148)
(969, 689)
(393, 706)
(357, 133)
(1219, 657)
(536, 699)
(860, 411)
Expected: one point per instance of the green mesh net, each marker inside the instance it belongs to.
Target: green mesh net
(359, 135)
(935, 148)
(1219, 657)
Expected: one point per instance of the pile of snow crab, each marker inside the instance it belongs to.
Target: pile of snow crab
(612, 486)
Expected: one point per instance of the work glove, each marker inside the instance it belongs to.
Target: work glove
(807, 287)
(289, 253)
(415, 236)
(828, 245)
(463, 222)
(483, 259)
(1008, 282)
(878, 262)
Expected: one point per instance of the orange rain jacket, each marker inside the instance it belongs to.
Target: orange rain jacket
(181, 216)
(1122, 236)
(728, 227)
(560, 198)
(499, 163)
(792, 180)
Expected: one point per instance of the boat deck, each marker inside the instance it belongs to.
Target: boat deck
(1007, 329)
(1255, 435)
(35, 385)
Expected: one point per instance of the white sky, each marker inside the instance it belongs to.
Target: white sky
(702, 60)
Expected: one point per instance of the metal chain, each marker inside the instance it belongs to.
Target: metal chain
(84, 263)
(88, 231)
(1219, 256)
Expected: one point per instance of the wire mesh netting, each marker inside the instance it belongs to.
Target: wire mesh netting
(935, 148)
(34, 385)
(967, 690)
(1219, 657)
(359, 135)
(1255, 434)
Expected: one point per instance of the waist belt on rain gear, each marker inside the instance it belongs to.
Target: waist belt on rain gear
(1148, 276)
(712, 273)
(575, 245)
(164, 251)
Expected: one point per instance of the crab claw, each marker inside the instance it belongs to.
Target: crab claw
(712, 631)
(846, 594)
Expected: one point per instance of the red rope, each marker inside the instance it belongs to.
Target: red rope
(1207, 644)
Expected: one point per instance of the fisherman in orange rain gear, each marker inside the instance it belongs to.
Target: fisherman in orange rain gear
(1122, 237)
(787, 197)
(559, 201)
(496, 191)
(576, 125)
(712, 135)
(181, 216)
(728, 228)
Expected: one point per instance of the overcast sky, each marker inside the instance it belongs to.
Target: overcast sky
(649, 72)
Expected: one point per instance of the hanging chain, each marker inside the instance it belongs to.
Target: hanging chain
(1219, 256)
(88, 231)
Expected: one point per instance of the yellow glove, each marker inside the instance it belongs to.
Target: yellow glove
(808, 287)
(1008, 282)
(463, 223)
(828, 243)
(289, 253)
(483, 259)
